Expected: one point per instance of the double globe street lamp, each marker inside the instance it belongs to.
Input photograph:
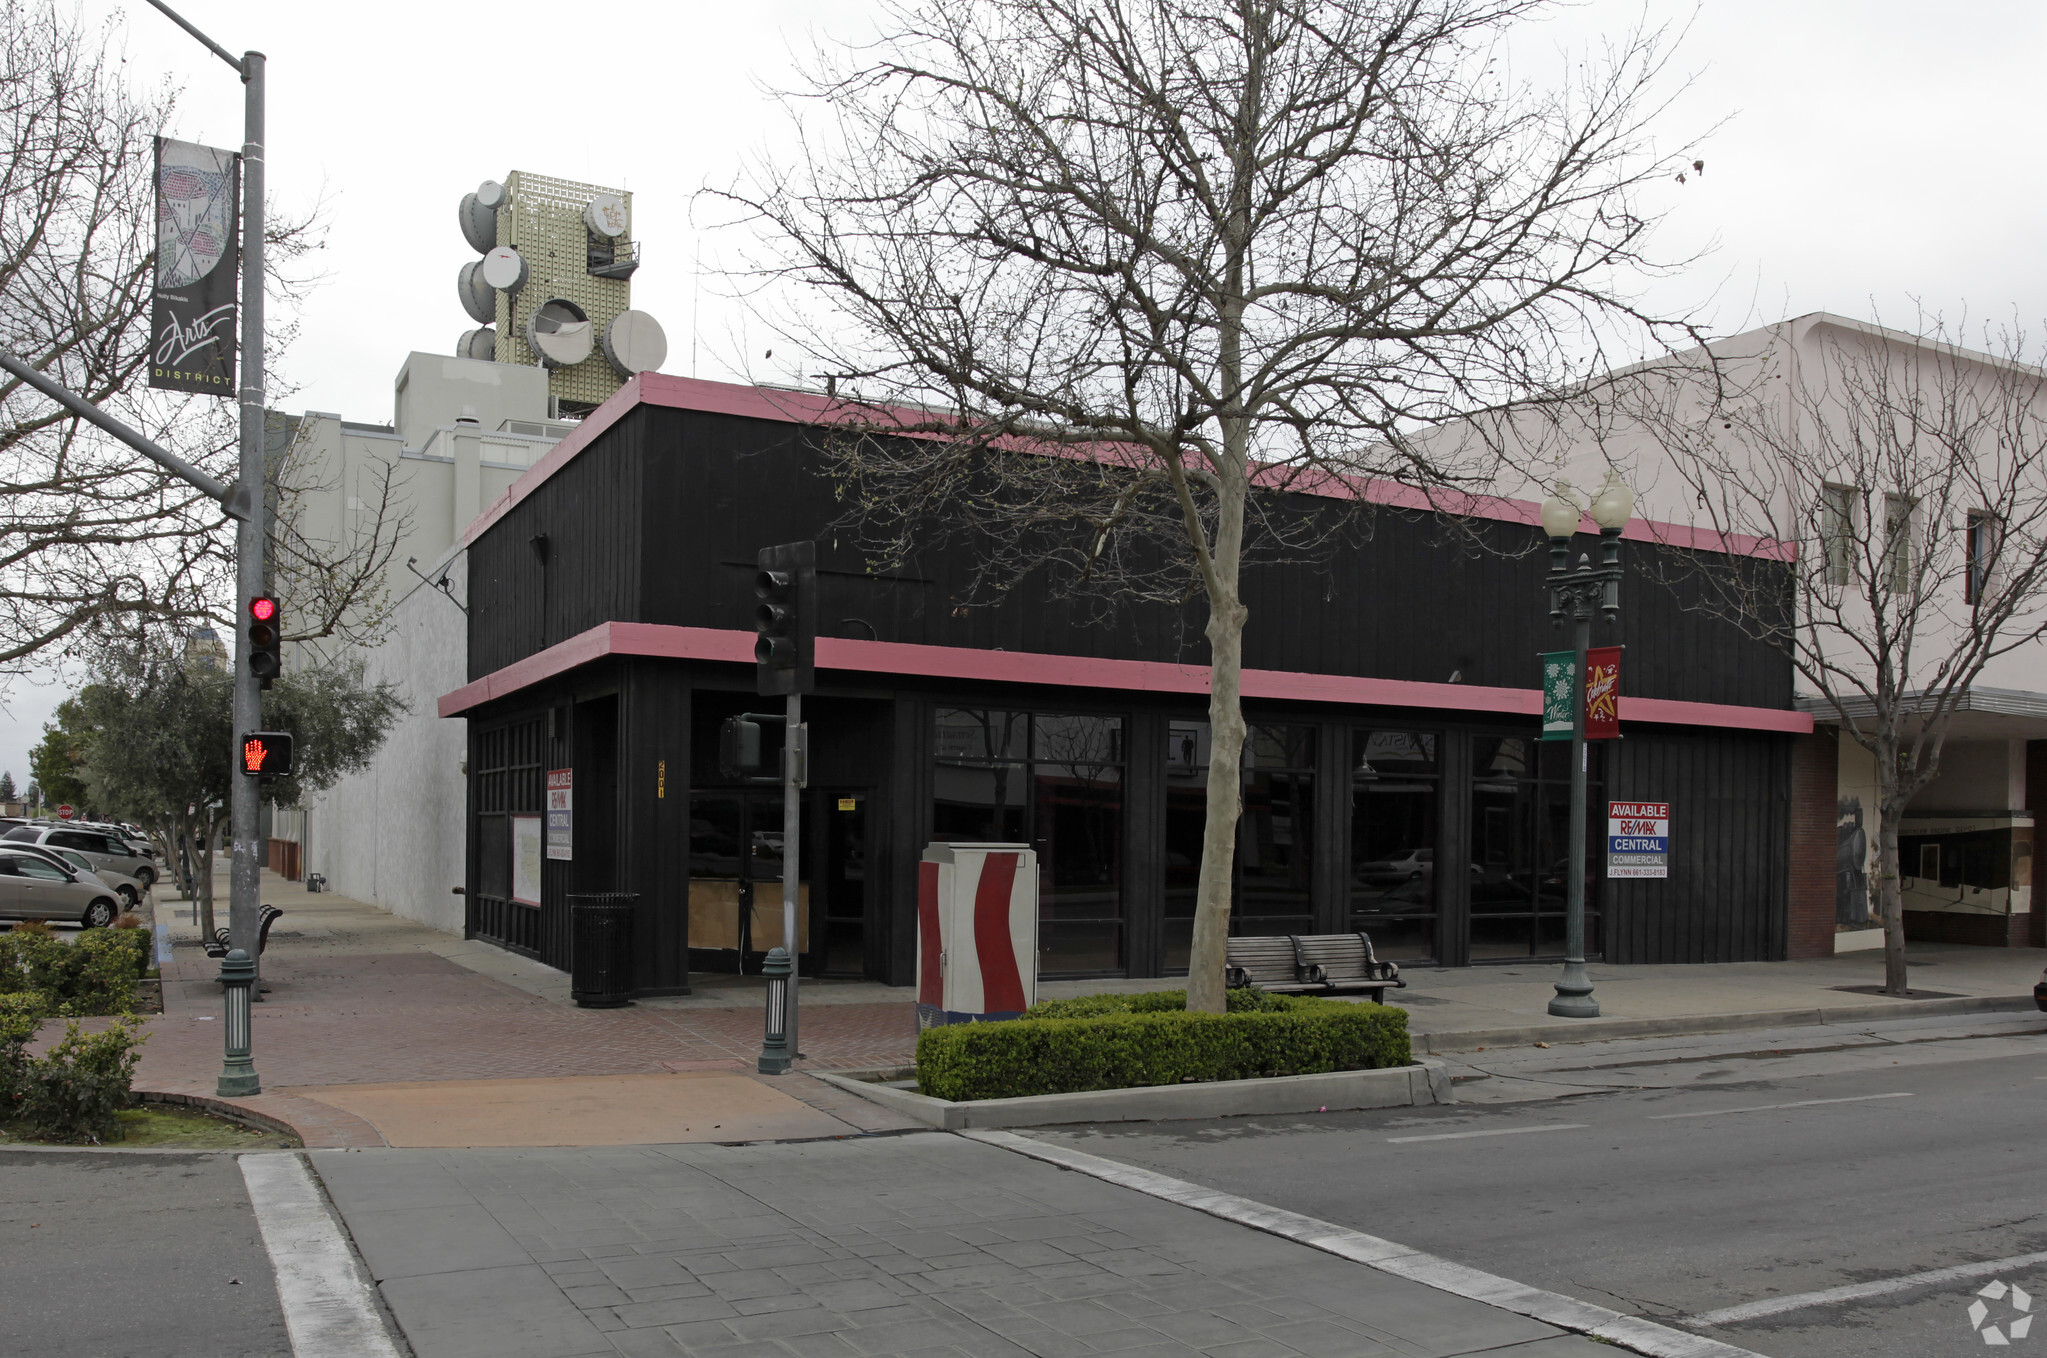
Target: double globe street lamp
(1574, 592)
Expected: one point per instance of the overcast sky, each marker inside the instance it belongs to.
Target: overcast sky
(1873, 156)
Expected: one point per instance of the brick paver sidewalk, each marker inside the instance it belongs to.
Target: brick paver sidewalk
(363, 1001)
(925, 1244)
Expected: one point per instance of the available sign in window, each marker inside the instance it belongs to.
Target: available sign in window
(561, 813)
(1638, 839)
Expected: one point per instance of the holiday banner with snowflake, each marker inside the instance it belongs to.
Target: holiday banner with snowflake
(1559, 693)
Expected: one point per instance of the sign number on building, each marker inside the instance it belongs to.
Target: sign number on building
(1638, 839)
(561, 811)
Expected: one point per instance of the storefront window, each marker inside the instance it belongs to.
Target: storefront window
(1054, 782)
(1393, 891)
(1275, 833)
(1520, 846)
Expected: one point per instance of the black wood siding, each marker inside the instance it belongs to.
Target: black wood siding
(659, 520)
(1727, 896)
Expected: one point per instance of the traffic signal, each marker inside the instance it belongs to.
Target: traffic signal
(266, 639)
(785, 619)
(266, 754)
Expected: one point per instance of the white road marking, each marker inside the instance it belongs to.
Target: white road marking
(1496, 1131)
(329, 1308)
(1769, 1107)
(1553, 1308)
(1770, 1306)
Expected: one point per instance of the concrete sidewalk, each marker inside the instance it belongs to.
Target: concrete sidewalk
(378, 1031)
(926, 1245)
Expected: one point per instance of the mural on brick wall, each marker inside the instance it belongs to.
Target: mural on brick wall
(1851, 864)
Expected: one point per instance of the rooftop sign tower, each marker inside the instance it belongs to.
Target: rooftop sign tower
(554, 286)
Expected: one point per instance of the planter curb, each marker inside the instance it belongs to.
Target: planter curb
(1425, 1082)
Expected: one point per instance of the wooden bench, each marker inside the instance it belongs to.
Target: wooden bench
(217, 946)
(1310, 964)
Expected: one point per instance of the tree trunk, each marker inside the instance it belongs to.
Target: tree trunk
(1225, 799)
(1890, 893)
(204, 870)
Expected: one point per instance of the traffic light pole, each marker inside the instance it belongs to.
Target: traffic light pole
(794, 756)
(238, 1075)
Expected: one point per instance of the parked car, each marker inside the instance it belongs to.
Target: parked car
(2040, 992)
(32, 887)
(128, 887)
(102, 849)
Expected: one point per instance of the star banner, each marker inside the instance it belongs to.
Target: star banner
(1603, 693)
(1559, 693)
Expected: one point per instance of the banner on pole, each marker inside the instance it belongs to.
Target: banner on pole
(192, 311)
(1638, 839)
(1559, 693)
(1603, 693)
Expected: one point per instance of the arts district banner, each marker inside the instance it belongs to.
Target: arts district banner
(198, 264)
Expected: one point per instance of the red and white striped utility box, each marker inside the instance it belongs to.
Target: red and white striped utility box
(977, 932)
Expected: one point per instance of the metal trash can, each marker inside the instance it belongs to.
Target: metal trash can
(601, 960)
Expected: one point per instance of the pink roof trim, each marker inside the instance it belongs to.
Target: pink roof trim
(799, 407)
(1069, 671)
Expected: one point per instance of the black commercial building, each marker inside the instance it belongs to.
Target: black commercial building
(1393, 782)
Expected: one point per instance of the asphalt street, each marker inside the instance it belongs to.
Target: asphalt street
(132, 1255)
(1751, 1176)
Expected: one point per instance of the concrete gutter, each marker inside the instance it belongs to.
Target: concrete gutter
(1425, 1082)
(1602, 1030)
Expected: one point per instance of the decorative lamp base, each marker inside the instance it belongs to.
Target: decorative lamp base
(1574, 994)
(774, 1063)
(237, 1084)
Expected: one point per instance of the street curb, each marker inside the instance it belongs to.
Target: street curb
(1602, 1029)
(222, 1108)
(1424, 1082)
(1552, 1308)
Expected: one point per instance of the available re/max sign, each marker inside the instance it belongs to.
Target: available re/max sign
(1638, 839)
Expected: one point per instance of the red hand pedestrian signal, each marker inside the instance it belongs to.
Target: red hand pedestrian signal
(266, 754)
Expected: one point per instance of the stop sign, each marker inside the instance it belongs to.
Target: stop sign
(66, 812)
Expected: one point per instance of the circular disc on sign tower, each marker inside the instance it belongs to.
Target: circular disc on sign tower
(477, 298)
(481, 344)
(560, 332)
(634, 343)
(505, 269)
(479, 224)
(491, 194)
(605, 216)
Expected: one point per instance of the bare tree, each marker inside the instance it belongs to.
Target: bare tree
(1898, 486)
(92, 536)
(1103, 280)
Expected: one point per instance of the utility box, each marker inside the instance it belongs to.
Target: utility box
(977, 932)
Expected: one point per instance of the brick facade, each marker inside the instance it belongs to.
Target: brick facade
(1815, 766)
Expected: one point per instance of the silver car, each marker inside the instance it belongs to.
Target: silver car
(127, 887)
(102, 849)
(32, 887)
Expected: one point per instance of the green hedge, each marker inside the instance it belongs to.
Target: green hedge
(1126, 1041)
(95, 973)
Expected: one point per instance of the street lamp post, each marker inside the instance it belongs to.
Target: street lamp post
(1574, 592)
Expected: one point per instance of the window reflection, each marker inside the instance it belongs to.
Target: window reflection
(1275, 852)
(1393, 884)
(1055, 782)
(1520, 846)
